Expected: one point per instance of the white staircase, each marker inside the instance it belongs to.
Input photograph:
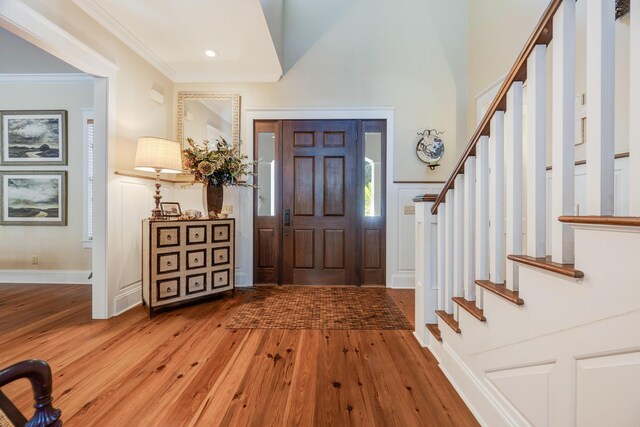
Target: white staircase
(526, 338)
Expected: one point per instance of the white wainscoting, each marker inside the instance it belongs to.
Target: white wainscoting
(401, 232)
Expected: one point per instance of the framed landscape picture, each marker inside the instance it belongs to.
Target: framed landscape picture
(33, 137)
(33, 198)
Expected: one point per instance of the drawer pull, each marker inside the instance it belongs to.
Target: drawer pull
(195, 260)
(169, 237)
(197, 284)
(221, 256)
(220, 234)
(219, 279)
(197, 235)
(168, 289)
(169, 263)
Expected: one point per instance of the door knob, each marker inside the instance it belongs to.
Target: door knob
(287, 217)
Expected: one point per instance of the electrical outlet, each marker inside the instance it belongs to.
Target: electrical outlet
(410, 210)
(227, 209)
(34, 260)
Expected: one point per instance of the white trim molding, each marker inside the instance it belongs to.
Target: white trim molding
(52, 277)
(46, 78)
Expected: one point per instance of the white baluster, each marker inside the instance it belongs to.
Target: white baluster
(634, 110)
(450, 244)
(536, 152)
(458, 226)
(496, 198)
(513, 180)
(442, 238)
(600, 101)
(482, 214)
(470, 228)
(563, 131)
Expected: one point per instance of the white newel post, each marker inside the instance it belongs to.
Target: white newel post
(441, 277)
(482, 214)
(470, 229)
(634, 110)
(513, 180)
(496, 198)
(458, 231)
(563, 131)
(450, 199)
(600, 101)
(426, 292)
(536, 152)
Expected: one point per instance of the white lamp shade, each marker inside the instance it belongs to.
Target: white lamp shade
(158, 154)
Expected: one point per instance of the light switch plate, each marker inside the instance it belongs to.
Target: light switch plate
(227, 209)
(409, 210)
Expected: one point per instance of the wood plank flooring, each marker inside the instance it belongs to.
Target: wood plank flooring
(183, 368)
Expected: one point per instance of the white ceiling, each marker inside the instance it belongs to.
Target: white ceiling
(173, 35)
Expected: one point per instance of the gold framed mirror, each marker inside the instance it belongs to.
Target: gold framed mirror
(208, 116)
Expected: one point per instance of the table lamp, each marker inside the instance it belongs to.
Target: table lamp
(160, 156)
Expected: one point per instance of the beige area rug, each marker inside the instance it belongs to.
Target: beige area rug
(300, 307)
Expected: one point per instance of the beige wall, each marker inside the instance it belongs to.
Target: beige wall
(498, 30)
(57, 248)
(137, 114)
(373, 53)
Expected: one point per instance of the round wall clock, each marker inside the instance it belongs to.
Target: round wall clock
(430, 147)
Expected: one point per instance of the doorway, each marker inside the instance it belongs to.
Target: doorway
(320, 202)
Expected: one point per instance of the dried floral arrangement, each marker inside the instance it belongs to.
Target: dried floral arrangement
(218, 164)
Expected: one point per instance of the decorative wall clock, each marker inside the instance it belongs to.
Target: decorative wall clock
(430, 147)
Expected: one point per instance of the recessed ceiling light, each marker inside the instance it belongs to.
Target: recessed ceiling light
(210, 53)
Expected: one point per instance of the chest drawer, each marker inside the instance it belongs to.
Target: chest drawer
(168, 262)
(220, 278)
(220, 255)
(168, 289)
(196, 234)
(196, 259)
(196, 283)
(221, 233)
(168, 236)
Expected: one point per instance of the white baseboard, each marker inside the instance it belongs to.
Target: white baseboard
(403, 281)
(422, 343)
(127, 299)
(54, 277)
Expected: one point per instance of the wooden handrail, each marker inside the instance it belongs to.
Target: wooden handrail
(542, 34)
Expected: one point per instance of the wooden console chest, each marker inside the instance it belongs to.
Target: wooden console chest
(186, 260)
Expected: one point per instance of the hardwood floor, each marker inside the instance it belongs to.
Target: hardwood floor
(184, 368)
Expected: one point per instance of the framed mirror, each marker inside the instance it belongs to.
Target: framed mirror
(208, 116)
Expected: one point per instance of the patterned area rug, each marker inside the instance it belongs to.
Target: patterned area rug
(299, 307)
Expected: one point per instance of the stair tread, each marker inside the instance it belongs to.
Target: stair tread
(471, 307)
(449, 320)
(501, 290)
(435, 330)
(548, 265)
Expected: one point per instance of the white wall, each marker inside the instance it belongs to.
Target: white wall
(372, 53)
(57, 248)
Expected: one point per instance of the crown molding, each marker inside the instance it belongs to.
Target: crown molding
(46, 78)
(119, 31)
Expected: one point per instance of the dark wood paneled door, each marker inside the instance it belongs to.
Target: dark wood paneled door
(319, 209)
(319, 202)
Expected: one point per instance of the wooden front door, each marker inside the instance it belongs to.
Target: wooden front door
(319, 209)
(319, 202)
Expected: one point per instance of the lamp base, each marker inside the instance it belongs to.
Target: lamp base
(156, 213)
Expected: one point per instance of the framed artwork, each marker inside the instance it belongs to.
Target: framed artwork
(33, 198)
(33, 138)
(170, 209)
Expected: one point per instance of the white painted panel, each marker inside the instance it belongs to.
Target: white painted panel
(528, 389)
(607, 390)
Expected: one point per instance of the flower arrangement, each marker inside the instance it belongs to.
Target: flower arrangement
(222, 166)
